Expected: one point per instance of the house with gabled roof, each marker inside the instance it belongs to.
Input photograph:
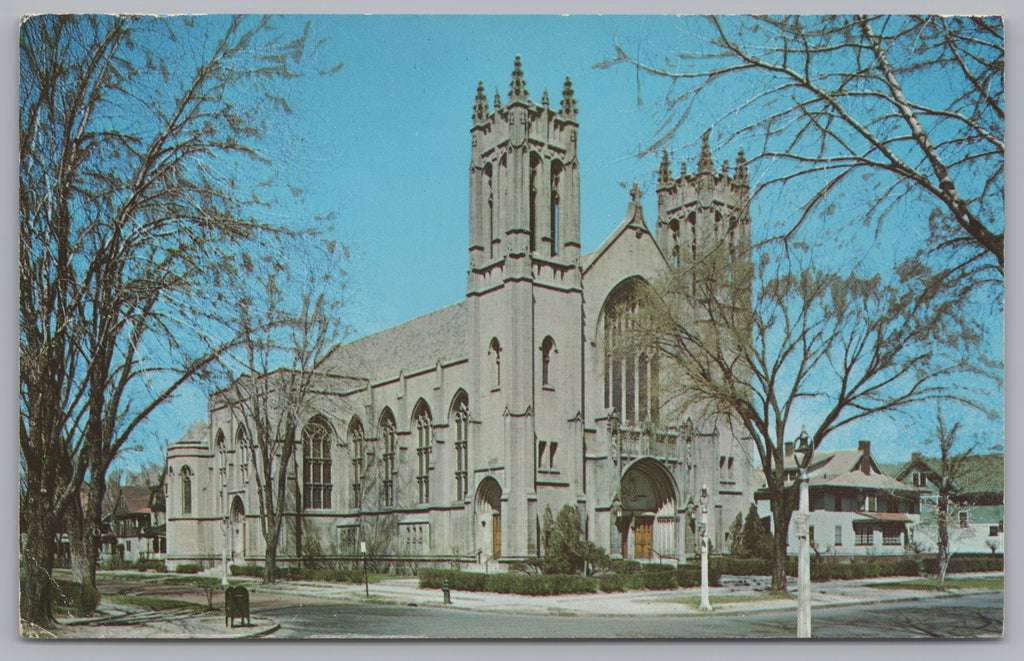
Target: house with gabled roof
(856, 509)
(977, 508)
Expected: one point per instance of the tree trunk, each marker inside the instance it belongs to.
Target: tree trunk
(782, 512)
(84, 531)
(36, 599)
(79, 539)
(270, 559)
(943, 506)
(780, 543)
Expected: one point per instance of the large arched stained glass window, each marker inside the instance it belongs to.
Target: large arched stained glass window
(358, 444)
(387, 437)
(423, 423)
(316, 464)
(460, 413)
(630, 367)
(186, 490)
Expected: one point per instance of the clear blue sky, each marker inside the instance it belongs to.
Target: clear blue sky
(387, 148)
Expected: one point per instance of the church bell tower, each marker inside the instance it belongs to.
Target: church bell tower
(525, 301)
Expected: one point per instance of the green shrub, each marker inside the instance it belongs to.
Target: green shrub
(151, 565)
(625, 566)
(688, 576)
(187, 568)
(75, 597)
(661, 580)
(508, 583)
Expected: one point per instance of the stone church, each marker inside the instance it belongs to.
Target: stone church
(456, 435)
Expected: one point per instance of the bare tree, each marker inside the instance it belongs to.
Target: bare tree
(130, 131)
(849, 108)
(764, 348)
(287, 322)
(952, 471)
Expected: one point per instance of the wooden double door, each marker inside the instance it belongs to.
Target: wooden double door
(643, 538)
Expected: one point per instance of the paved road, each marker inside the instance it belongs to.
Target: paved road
(967, 616)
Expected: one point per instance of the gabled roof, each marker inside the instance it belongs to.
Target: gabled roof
(131, 500)
(842, 468)
(411, 347)
(634, 221)
(983, 473)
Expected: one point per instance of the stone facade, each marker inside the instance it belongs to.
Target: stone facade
(453, 435)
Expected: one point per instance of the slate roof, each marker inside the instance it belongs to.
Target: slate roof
(411, 347)
(197, 434)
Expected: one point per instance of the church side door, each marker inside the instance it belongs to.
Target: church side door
(496, 539)
(643, 538)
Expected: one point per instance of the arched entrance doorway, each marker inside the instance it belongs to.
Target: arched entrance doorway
(488, 518)
(647, 520)
(237, 530)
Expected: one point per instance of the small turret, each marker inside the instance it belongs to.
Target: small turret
(544, 99)
(497, 100)
(568, 100)
(664, 170)
(705, 164)
(741, 169)
(517, 88)
(480, 110)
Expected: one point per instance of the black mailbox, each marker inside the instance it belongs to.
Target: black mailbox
(236, 604)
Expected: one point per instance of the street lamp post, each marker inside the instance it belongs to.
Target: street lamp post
(224, 555)
(705, 602)
(802, 451)
(366, 579)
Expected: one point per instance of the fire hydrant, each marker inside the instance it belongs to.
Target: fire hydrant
(447, 592)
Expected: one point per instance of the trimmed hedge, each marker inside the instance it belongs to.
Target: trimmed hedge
(963, 565)
(865, 568)
(551, 584)
(530, 584)
(187, 568)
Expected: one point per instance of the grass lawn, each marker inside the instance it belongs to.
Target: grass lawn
(150, 603)
(735, 598)
(952, 583)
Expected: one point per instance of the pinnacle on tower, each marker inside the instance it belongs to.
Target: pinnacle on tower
(497, 99)
(480, 110)
(568, 100)
(741, 168)
(544, 99)
(705, 164)
(665, 169)
(517, 89)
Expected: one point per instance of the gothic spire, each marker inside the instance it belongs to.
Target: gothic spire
(497, 99)
(741, 168)
(705, 164)
(544, 99)
(568, 100)
(665, 170)
(517, 89)
(480, 109)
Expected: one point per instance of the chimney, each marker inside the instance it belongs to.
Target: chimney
(864, 447)
(789, 448)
